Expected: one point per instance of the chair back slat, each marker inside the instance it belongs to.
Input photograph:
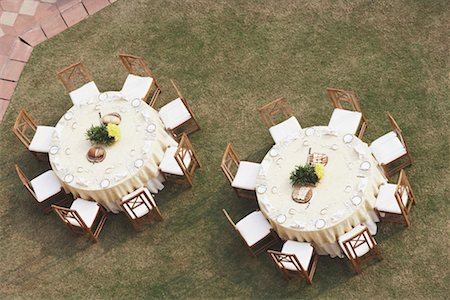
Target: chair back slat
(276, 111)
(397, 130)
(283, 260)
(25, 181)
(404, 189)
(229, 218)
(184, 149)
(186, 104)
(340, 97)
(74, 76)
(359, 239)
(136, 65)
(142, 198)
(24, 127)
(230, 162)
(69, 216)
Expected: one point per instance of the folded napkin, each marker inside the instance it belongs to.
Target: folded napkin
(267, 204)
(363, 184)
(147, 146)
(264, 167)
(337, 216)
(82, 181)
(328, 131)
(118, 176)
(56, 163)
(297, 224)
(146, 114)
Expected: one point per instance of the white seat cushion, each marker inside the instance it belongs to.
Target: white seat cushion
(253, 228)
(386, 201)
(246, 175)
(136, 86)
(42, 139)
(83, 94)
(87, 210)
(345, 120)
(45, 185)
(174, 114)
(387, 148)
(141, 210)
(360, 250)
(303, 252)
(169, 163)
(282, 130)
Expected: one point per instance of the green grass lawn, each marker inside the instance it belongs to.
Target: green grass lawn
(228, 59)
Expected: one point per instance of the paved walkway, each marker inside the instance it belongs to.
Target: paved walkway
(26, 23)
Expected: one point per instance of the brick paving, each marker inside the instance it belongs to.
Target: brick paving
(26, 23)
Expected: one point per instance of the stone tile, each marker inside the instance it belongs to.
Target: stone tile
(6, 43)
(66, 4)
(49, 1)
(112, 1)
(28, 7)
(3, 60)
(7, 89)
(54, 25)
(8, 29)
(2, 33)
(11, 5)
(34, 36)
(74, 14)
(3, 107)
(12, 70)
(8, 18)
(45, 10)
(20, 51)
(93, 6)
(24, 23)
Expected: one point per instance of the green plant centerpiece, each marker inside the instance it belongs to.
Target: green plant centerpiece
(303, 178)
(104, 134)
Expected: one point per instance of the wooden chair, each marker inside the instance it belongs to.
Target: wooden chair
(296, 259)
(179, 163)
(241, 174)
(45, 189)
(34, 137)
(345, 120)
(178, 117)
(83, 218)
(359, 246)
(140, 83)
(140, 207)
(394, 201)
(278, 117)
(391, 150)
(255, 231)
(78, 83)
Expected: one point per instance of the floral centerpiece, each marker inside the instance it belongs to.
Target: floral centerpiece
(103, 134)
(307, 174)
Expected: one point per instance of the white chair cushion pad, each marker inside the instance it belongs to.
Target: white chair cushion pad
(136, 86)
(387, 148)
(46, 185)
(345, 120)
(360, 250)
(282, 130)
(386, 201)
(141, 210)
(169, 163)
(253, 228)
(174, 114)
(87, 210)
(246, 175)
(303, 252)
(83, 94)
(42, 139)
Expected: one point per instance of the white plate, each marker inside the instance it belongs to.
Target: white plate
(103, 96)
(281, 219)
(104, 183)
(356, 200)
(348, 138)
(54, 149)
(138, 163)
(68, 115)
(261, 189)
(365, 165)
(136, 102)
(320, 223)
(151, 128)
(334, 147)
(68, 178)
(273, 152)
(309, 131)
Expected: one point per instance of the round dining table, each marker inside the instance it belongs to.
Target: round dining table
(130, 162)
(343, 199)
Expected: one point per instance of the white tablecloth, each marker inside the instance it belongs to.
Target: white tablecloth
(331, 211)
(130, 162)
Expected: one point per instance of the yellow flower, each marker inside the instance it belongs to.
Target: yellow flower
(320, 171)
(113, 131)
